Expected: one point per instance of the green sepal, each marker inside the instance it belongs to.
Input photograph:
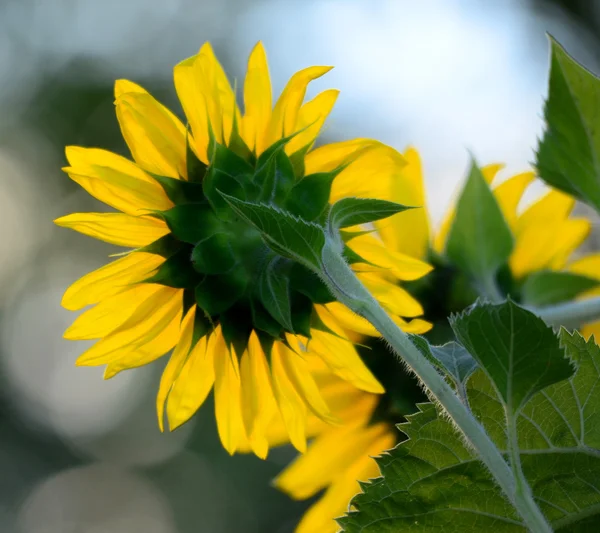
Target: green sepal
(275, 179)
(203, 325)
(196, 169)
(479, 240)
(216, 294)
(318, 324)
(228, 173)
(547, 287)
(349, 212)
(352, 257)
(214, 254)
(263, 321)
(180, 191)
(309, 198)
(236, 327)
(302, 309)
(189, 300)
(308, 283)
(273, 290)
(266, 342)
(237, 144)
(191, 222)
(165, 246)
(298, 160)
(176, 271)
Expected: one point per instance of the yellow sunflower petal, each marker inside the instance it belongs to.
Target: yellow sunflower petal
(257, 396)
(148, 320)
(155, 137)
(228, 410)
(285, 114)
(370, 174)
(547, 244)
(109, 314)
(588, 265)
(334, 503)
(115, 181)
(399, 265)
(257, 100)
(110, 279)
(299, 375)
(341, 356)
(416, 326)
(490, 171)
(291, 406)
(194, 382)
(408, 232)
(331, 156)
(326, 458)
(116, 228)
(312, 116)
(349, 320)
(394, 298)
(509, 194)
(591, 329)
(553, 206)
(175, 364)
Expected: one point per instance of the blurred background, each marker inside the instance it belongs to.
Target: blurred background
(81, 455)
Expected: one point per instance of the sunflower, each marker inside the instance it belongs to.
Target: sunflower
(198, 281)
(546, 236)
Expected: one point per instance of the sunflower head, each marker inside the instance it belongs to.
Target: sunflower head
(201, 279)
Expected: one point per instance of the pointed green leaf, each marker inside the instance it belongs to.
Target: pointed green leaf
(451, 358)
(308, 283)
(548, 287)
(273, 289)
(353, 211)
(568, 156)
(515, 348)
(284, 233)
(302, 311)
(203, 325)
(191, 222)
(263, 321)
(236, 327)
(166, 246)
(479, 241)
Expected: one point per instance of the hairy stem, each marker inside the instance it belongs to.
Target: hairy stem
(349, 290)
(570, 314)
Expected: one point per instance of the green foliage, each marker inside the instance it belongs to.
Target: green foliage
(273, 289)
(479, 241)
(547, 287)
(191, 222)
(517, 351)
(286, 234)
(568, 155)
(434, 482)
(353, 211)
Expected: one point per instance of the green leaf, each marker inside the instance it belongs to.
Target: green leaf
(308, 283)
(515, 348)
(273, 289)
(353, 211)
(451, 358)
(191, 222)
(263, 321)
(236, 327)
(275, 180)
(548, 287)
(568, 156)
(479, 241)
(165, 246)
(433, 482)
(284, 233)
(176, 271)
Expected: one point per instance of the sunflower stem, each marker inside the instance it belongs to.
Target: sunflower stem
(570, 315)
(350, 291)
